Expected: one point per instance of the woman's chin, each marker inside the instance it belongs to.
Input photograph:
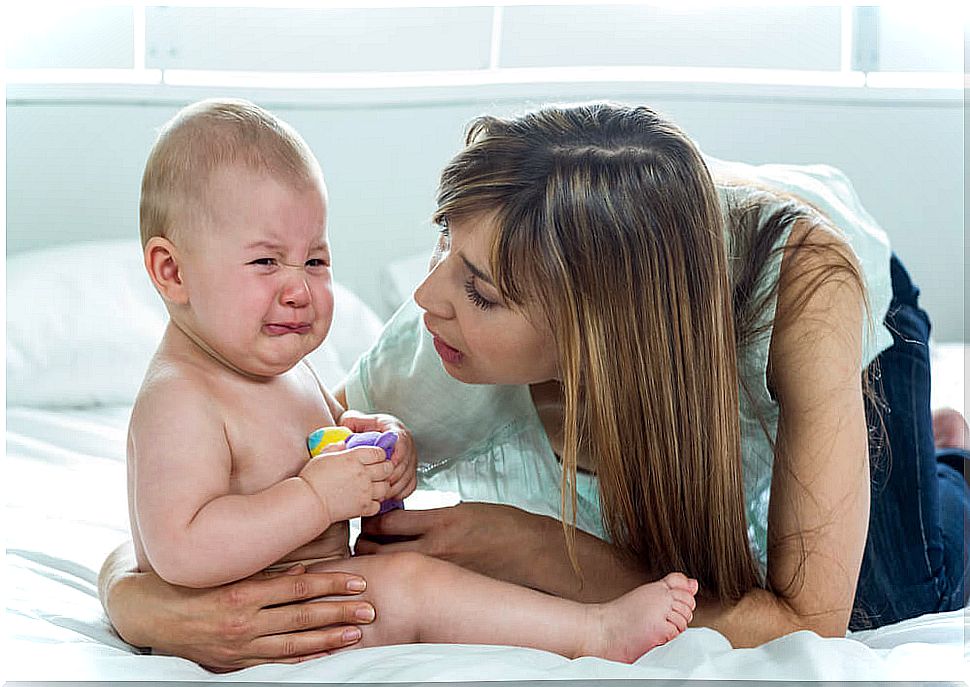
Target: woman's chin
(461, 372)
(455, 371)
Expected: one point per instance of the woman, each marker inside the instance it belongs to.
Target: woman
(708, 369)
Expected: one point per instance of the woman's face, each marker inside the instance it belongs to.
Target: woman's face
(480, 338)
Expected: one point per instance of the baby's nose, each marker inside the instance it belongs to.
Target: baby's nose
(296, 292)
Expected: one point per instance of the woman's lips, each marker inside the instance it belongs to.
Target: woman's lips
(280, 328)
(447, 353)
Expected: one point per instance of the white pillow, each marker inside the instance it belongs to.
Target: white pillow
(83, 320)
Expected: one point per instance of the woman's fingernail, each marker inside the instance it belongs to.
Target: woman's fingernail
(351, 634)
(365, 613)
(356, 585)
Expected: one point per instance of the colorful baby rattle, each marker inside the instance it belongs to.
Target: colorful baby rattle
(323, 437)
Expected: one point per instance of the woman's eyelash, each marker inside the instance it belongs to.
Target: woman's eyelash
(475, 297)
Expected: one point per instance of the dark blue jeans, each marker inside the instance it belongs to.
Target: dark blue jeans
(915, 559)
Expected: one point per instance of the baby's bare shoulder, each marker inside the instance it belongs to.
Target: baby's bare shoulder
(177, 441)
(314, 386)
(171, 378)
(175, 395)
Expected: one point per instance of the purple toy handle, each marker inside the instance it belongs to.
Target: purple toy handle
(386, 441)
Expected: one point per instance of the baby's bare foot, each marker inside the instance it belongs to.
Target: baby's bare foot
(627, 628)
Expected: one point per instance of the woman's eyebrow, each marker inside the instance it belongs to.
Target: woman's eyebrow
(478, 272)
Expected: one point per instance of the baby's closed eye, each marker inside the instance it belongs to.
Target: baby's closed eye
(313, 264)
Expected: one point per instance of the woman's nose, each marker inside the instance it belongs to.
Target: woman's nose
(431, 294)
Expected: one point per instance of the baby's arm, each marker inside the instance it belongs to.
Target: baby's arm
(194, 532)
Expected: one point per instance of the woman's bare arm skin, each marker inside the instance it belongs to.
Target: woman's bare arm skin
(259, 620)
(819, 509)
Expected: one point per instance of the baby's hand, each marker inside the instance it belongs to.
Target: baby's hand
(404, 478)
(349, 483)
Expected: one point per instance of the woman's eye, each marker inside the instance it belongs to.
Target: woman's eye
(316, 262)
(475, 297)
(264, 262)
(444, 238)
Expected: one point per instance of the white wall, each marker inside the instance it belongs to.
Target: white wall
(74, 164)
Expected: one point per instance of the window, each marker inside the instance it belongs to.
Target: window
(407, 44)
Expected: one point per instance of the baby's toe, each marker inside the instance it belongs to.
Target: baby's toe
(684, 597)
(676, 580)
(684, 611)
(678, 620)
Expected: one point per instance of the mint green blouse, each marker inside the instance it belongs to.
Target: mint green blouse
(486, 442)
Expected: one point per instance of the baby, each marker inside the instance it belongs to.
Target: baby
(233, 224)
(220, 484)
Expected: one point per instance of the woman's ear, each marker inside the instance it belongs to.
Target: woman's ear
(162, 263)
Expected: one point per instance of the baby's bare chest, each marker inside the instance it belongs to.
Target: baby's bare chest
(267, 437)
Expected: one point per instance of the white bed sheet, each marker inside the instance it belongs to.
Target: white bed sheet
(65, 509)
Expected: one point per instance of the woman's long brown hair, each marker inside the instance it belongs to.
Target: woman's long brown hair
(609, 224)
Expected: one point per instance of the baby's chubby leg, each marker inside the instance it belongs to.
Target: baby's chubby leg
(396, 584)
(423, 599)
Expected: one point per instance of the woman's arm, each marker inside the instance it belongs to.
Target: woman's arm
(258, 620)
(819, 509)
(527, 549)
(510, 544)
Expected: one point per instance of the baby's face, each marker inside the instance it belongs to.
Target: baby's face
(258, 271)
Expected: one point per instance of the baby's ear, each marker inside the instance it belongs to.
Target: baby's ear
(162, 263)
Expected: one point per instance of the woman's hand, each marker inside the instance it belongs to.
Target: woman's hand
(404, 477)
(484, 537)
(258, 620)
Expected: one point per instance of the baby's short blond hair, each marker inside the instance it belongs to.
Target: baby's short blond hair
(207, 136)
